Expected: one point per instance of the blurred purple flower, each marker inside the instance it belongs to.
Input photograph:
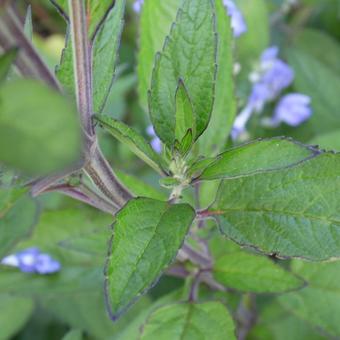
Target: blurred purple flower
(238, 23)
(293, 109)
(31, 260)
(155, 141)
(137, 5)
(272, 76)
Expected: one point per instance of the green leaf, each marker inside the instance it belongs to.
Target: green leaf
(155, 22)
(187, 321)
(189, 54)
(253, 273)
(291, 213)
(64, 233)
(6, 61)
(319, 302)
(258, 156)
(215, 136)
(18, 214)
(185, 116)
(40, 133)
(147, 236)
(15, 312)
(105, 54)
(324, 95)
(137, 144)
(139, 188)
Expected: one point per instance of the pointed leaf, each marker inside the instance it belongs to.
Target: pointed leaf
(137, 144)
(189, 54)
(185, 116)
(253, 273)
(155, 22)
(292, 213)
(105, 54)
(187, 321)
(147, 236)
(258, 156)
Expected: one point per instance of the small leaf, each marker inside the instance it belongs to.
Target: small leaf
(147, 236)
(258, 156)
(319, 302)
(189, 54)
(185, 116)
(155, 23)
(18, 214)
(39, 133)
(6, 61)
(137, 144)
(291, 213)
(253, 273)
(105, 54)
(28, 26)
(187, 321)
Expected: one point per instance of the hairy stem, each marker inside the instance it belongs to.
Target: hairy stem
(82, 63)
(99, 170)
(85, 195)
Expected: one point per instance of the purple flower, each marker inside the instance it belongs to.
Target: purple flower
(272, 76)
(31, 260)
(293, 109)
(238, 23)
(155, 141)
(137, 5)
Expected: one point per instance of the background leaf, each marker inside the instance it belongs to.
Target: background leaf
(323, 92)
(186, 321)
(319, 302)
(42, 125)
(15, 312)
(18, 214)
(253, 273)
